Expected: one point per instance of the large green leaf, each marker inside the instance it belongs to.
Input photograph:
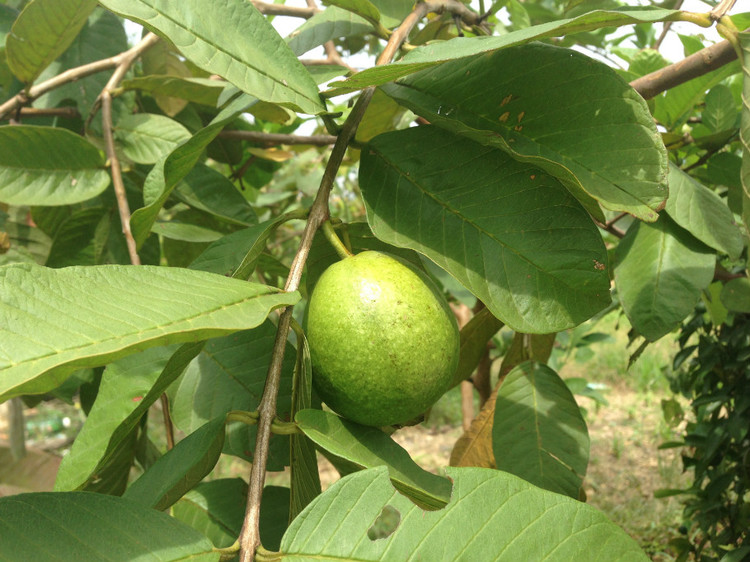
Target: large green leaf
(42, 32)
(367, 447)
(146, 137)
(441, 51)
(538, 433)
(660, 273)
(234, 40)
(510, 233)
(363, 8)
(56, 526)
(48, 166)
(103, 36)
(55, 321)
(181, 468)
(127, 389)
(492, 515)
(587, 126)
(171, 169)
(216, 508)
(704, 214)
(332, 23)
(229, 374)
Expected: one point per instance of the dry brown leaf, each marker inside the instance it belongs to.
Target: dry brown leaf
(474, 447)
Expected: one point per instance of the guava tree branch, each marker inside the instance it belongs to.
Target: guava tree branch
(281, 10)
(71, 75)
(276, 138)
(697, 64)
(250, 534)
(105, 98)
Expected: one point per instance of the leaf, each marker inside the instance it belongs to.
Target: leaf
(208, 190)
(474, 447)
(735, 295)
(226, 254)
(331, 23)
(744, 40)
(58, 526)
(80, 239)
(42, 32)
(181, 468)
(303, 463)
(474, 337)
(146, 137)
(233, 40)
(719, 113)
(382, 115)
(171, 169)
(492, 515)
(441, 51)
(660, 273)
(538, 433)
(185, 232)
(507, 231)
(369, 447)
(203, 91)
(48, 166)
(101, 37)
(229, 374)
(363, 8)
(576, 141)
(128, 388)
(216, 508)
(55, 321)
(704, 214)
(673, 108)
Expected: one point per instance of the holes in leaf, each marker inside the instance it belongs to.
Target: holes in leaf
(385, 524)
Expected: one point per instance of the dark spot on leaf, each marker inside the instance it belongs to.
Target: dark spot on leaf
(385, 524)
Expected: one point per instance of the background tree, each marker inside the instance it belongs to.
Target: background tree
(538, 186)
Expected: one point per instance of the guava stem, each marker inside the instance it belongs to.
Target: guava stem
(335, 241)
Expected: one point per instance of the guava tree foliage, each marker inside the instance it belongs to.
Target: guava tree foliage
(160, 204)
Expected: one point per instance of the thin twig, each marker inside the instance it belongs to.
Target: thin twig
(66, 77)
(697, 64)
(281, 10)
(276, 138)
(66, 112)
(107, 126)
(249, 535)
(665, 29)
(611, 228)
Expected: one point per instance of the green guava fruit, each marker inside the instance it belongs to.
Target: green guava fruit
(384, 343)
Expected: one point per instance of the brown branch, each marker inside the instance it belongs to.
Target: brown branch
(107, 125)
(66, 112)
(249, 535)
(697, 64)
(281, 10)
(66, 77)
(276, 138)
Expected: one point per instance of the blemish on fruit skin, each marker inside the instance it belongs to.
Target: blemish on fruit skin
(520, 116)
(506, 100)
(518, 128)
(533, 176)
(504, 117)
